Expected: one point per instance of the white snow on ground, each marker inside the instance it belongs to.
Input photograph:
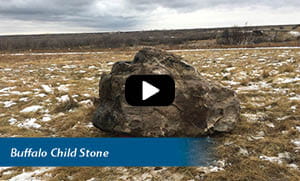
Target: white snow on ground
(6, 89)
(47, 89)
(296, 98)
(110, 63)
(69, 66)
(46, 118)
(298, 128)
(261, 59)
(4, 168)
(294, 33)
(9, 172)
(296, 142)
(29, 123)
(271, 159)
(20, 93)
(271, 125)
(63, 88)
(254, 86)
(281, 158)
(92, 67)
(230, 82)
(89, 78)
(87, 103)
(64, 98)
(81, 71)
(2, 95)
(287, 80)
(9, 103)
(24, 99)
(41, 95)
(12, 121)
(89, 125)
(34, 108)
(30, 175)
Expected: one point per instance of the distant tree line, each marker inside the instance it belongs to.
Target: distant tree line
(223, 36)
(102, 40)
(240, 36)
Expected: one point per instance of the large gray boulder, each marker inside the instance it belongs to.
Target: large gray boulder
(200, 106)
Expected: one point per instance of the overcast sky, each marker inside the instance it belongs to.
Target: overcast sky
(67, 16)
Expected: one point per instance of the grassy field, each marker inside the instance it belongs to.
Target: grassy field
(55, 96)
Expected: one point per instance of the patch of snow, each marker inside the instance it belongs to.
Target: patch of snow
(294, 33)
(271, 159)
(12, 81)
(89, 125)
(9, 104)
(29, 175)
(81, 71)
(220, 58)
(292, 165)
(87, 103)
(92, 67)
(261, 59)
(41, 95)
(297, 128)
(63, 88)
(5, 90)
(69, 66)
(296, 142)
(230, 82)
(89, 78)
(12, 121)
(9, 172)
(64, 98)
(47, 89)
(229, 69)
(29, 123)
(20, 93)
(110, 63)
(46, 118)
(4, 95)
(34, 108)
(4, 168)
(271, 125)
(92, 179)
(287, 80)
(24, 99)
(295, 98)
(86, 95)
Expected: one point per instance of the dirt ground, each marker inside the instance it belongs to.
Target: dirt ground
(49, 95)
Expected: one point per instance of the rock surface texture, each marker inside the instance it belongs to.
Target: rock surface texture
(200, 106)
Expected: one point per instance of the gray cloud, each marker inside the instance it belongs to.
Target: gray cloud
(107, 15)
(70, 12)
(191, 5)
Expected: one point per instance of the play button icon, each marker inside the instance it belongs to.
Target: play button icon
(149, 90)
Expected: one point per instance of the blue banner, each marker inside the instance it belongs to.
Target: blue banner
(105, 151)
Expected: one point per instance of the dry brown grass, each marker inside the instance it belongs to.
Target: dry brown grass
(256, 75)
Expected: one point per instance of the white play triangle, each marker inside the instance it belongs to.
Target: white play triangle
(148, 90)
